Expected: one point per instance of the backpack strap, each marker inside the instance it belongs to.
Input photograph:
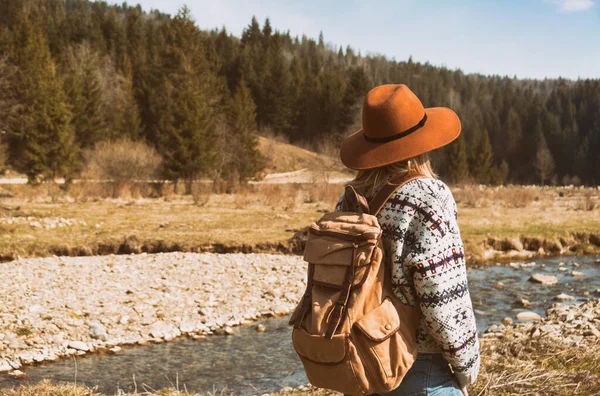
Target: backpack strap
(389, 188)
(354, 202)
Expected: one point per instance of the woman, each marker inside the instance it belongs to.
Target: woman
(421, 239)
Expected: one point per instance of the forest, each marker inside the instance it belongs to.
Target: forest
(75, 73)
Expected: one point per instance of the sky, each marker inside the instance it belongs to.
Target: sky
(523, 38)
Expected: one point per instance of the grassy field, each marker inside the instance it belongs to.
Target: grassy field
(39, 222)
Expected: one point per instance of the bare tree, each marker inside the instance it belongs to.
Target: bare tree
(122, 163)
(544, 164)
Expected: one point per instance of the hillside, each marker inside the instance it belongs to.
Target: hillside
(284, 157)
(287, 163)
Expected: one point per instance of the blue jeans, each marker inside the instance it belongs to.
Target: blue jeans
(430, 375)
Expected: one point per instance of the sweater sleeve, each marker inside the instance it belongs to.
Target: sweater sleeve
(439, 276)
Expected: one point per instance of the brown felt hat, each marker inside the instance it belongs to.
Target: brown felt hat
(397, 127)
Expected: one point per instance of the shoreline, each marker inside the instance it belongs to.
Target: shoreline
(483, 251)
(212, 294)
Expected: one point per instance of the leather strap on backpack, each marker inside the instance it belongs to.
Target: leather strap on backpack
(389, 188)
(339, 309)
(354, 202)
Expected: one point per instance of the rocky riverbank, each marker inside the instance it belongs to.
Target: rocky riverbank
(554, 355)
(571, 325)
(62, 306)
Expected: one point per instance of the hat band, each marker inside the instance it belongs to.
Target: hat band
(398, 135)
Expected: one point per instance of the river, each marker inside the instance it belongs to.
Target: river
(250, 362)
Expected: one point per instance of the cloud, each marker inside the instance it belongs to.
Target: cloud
(573, 5)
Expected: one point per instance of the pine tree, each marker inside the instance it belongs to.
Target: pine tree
(184, 105)
(458, 167)
(277, 100)
(355, 90)
(84, 94)
(482, 158)
(46, 136)
(240, 158)
(514, 134)
(544, 163)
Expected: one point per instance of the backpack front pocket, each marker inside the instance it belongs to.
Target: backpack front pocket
(327, 361)
(380, 345)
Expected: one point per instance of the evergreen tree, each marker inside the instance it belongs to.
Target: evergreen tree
(185, 103)
(544, 163)
(482, 158)
(240, 158)
(46, 137)
(277, 100)
(356, 89)
(458, 167)
(84, 95)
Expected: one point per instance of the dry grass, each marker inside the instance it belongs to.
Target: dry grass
(284, 157)
(46, 388)
(531, 367)
(269, 213)
(537, 367)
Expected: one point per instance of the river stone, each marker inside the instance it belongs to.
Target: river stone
(17, 374)
(78, 346)
(280, 309)
(163, 329)
(577, 274)
(4, 366)
(564, 297)
(528, 315)
(188, 326)
(544, 279)
(549, 328)
(593, 329)
(228, 330)
(524, 302)
(507, 321)
(115, 349)
(98, 332)
(260, 328)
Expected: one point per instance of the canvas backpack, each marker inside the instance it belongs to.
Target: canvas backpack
(352, 334)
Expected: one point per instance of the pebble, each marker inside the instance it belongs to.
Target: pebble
(544, 279)
(577, 273)
(115, 349)
(228, 330)
(564, 297)
(79, 346)
(524, 302)
(507, 321)
(17, 374)
(4, 366)
(98, 332)
(528, 316)
(260, 328)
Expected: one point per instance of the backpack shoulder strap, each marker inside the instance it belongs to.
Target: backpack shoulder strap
(377, 202)
(354, 202)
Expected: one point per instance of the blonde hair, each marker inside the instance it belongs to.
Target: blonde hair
(368, 181)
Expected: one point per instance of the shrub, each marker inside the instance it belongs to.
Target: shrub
(121, 163)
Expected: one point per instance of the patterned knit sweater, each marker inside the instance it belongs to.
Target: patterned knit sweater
(423, 247)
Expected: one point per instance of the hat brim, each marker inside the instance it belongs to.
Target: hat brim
(441, 128)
